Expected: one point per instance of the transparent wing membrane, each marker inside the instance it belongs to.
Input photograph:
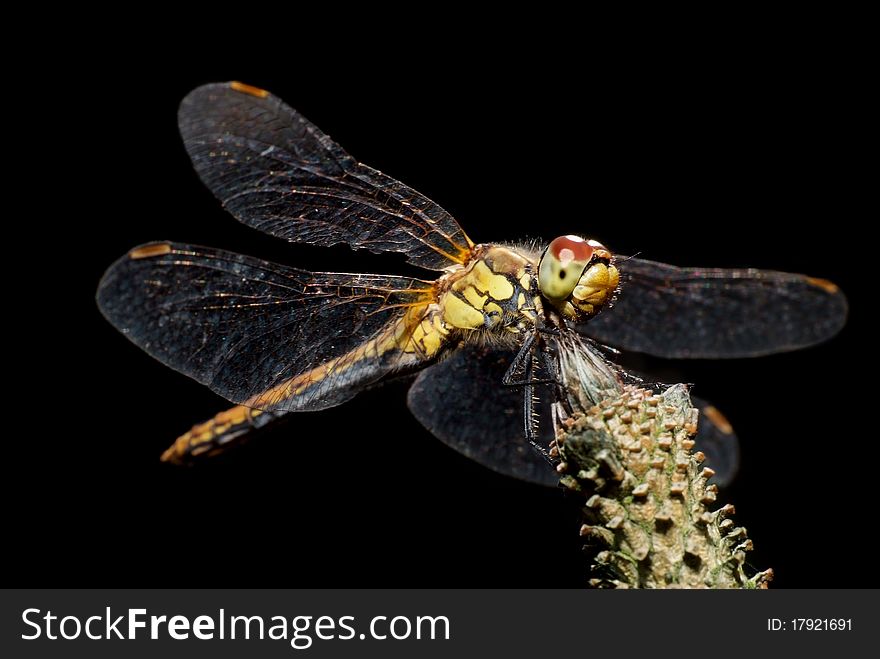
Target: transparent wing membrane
(277, 172)
(258, 333)
(715, 313)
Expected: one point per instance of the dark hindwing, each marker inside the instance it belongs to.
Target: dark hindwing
(718, 441)
(243, 326)
(715, 313)
(462, 402)
(276, 172)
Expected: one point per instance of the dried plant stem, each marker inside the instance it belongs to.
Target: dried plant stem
(647, 518)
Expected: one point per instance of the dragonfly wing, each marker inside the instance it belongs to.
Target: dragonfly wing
(715, 313)
(462, 402)
(716, 438)
(275, 171)
(261, 334)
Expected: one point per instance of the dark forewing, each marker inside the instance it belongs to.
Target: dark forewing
(714, 313)
(462, 402)
(243, 326)
(275, 171)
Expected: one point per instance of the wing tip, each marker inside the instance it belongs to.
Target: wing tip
(826, 285)
(193, 104)
(250, 90)
(150, 250)
(837, 304)
(714, 415)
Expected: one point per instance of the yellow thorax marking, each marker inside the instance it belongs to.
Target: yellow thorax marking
(473, 296)
(496, 285)
(460, 314)
(495, 312)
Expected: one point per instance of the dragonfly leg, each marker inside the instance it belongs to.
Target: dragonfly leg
(530, 423)
(549, 331)
(525, 351)
(551, 366)
(518, 363)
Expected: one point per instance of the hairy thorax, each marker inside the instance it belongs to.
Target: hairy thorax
(493, 297)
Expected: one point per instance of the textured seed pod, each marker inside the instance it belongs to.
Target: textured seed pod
(647, 512)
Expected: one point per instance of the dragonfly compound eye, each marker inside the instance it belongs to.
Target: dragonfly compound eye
(562, 265)
(595, 287)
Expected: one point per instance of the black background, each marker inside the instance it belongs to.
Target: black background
(741, 151)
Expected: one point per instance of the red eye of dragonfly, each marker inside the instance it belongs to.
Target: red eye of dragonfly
(571, 248)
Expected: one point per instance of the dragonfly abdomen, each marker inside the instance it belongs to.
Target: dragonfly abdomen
(216, 434)
(416, 337)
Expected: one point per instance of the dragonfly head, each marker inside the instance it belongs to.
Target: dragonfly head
(576, 276)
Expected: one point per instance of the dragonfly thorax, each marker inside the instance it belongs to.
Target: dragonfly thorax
(494, 291)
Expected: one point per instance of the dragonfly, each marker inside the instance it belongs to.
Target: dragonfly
(488, 335)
